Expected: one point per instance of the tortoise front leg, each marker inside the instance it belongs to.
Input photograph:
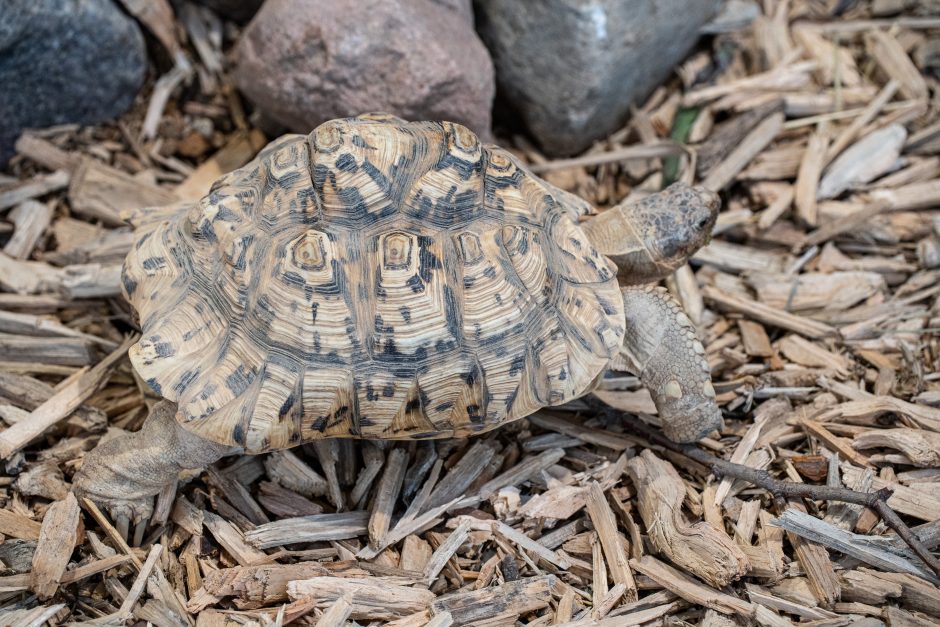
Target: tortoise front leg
(662, 349)
(123, 475)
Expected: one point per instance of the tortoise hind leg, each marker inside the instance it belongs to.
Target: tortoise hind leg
(123, 474)
(662, 349)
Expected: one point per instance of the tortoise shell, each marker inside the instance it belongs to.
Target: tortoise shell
(375, 279)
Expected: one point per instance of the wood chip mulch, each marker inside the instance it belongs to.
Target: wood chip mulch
(818, 300)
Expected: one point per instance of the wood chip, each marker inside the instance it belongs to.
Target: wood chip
(706, 552)
(318, 528)
(612, 542)
(505, 602)
(57, 538)
(765, 132)
(103, 193)
(60, 405)
(689, 589)
(39, 185)
(371, 598)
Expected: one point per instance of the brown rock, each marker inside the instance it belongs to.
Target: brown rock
(303, 62)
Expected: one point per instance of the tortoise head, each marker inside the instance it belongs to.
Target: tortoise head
(650, 239)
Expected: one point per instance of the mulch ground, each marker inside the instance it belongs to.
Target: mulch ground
(817, 301)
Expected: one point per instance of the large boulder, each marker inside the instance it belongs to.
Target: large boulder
(302, 62)
(236, 10)
(65, 61)
(572, 68)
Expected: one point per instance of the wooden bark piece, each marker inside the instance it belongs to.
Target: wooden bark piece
(255, 586)
(18, 526)
(336, 614)
(888, 53)
(506, 601)
(290, 471)
(920, 446)
(140, 581)
(689, 589)
(807, 180)
(445, 551)
(61, 404)
(232, 540)
(57, 538)
(860, 547)
(309, 529)
(765, 132)
(916, 593)
(868, 159)
(770, 315)
(729, 134)
(816, 563)
(39, 185)
(387, 495)
(30, 220)
(103, 193)
(754, 338)
(371, 597)
(464, 472)
(519, 473)
(612, 542)
(703, 550)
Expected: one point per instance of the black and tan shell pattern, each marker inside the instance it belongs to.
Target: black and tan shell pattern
(375, 279)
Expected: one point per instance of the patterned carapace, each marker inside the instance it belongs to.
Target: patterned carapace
(376, 279)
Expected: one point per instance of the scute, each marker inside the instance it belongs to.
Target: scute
(375, 279)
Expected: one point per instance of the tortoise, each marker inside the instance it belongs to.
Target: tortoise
(386, 279)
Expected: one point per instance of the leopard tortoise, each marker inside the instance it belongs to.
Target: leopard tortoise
(386, 279)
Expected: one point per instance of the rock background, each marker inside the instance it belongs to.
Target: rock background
(237, 10)
(63, 61)
(572, 68)
(302, 62)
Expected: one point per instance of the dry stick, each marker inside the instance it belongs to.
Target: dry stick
(868, 114)
(111, 532)
(853, 220)
(628, 153)
(876, 501)
(61, 404)
(138, 587)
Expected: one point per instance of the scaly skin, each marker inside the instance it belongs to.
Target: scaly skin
(123, 474)
(663, 350)
(648, 241)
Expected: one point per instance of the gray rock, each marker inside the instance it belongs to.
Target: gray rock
(65, 61)
(572, 68)
(302, 62)
(236, 10)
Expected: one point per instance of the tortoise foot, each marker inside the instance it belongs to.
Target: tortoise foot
(122, 512)
(124, 474)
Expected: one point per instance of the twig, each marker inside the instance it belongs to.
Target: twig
(61, 405)
(138, 587)
(876, 501)
(629, 153)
